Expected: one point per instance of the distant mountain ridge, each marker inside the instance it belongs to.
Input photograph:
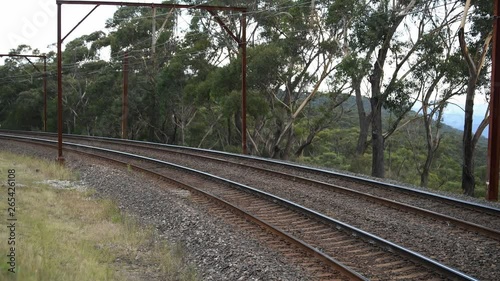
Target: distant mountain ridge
(454, 117)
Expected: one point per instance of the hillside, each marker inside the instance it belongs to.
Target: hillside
(405, 151)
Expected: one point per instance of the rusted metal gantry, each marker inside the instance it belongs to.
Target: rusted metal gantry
(242, 42)
(44, 80)
(494, 128)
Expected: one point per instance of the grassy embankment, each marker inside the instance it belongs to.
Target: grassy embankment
(66, 234)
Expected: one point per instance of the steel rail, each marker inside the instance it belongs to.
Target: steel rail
(416, 257)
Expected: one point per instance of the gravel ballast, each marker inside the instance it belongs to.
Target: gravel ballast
(217, 250)
(465, 251)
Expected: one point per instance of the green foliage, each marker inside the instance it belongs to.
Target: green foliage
(399, 98)
(342, 10)
(481, 19)
(84, 48)
(352, 66)
(372, 25)
(27, 114)
(265, 63)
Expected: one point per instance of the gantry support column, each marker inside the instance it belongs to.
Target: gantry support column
(494, 127)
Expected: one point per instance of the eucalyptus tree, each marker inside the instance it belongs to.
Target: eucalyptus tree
(184, 84)
(475, 49)
(291, 54)
(147, 34)
(88, 81)
(320, 115)
(354, 66)
(21, 94)
(440, 80)
(302, 52)
(382, 57)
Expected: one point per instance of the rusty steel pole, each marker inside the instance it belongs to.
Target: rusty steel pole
(60, 157)
(125, 96)
(243, 45)
(60, 40)
(494, 129)
(45, 94)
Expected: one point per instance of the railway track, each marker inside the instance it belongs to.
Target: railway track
(328, 240)
(475, 217)
(486, 216)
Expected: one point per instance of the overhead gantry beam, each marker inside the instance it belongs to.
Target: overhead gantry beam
(157, 5)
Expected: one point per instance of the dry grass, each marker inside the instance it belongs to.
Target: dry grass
(68, 235)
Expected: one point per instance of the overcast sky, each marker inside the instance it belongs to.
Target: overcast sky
(34, 22)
